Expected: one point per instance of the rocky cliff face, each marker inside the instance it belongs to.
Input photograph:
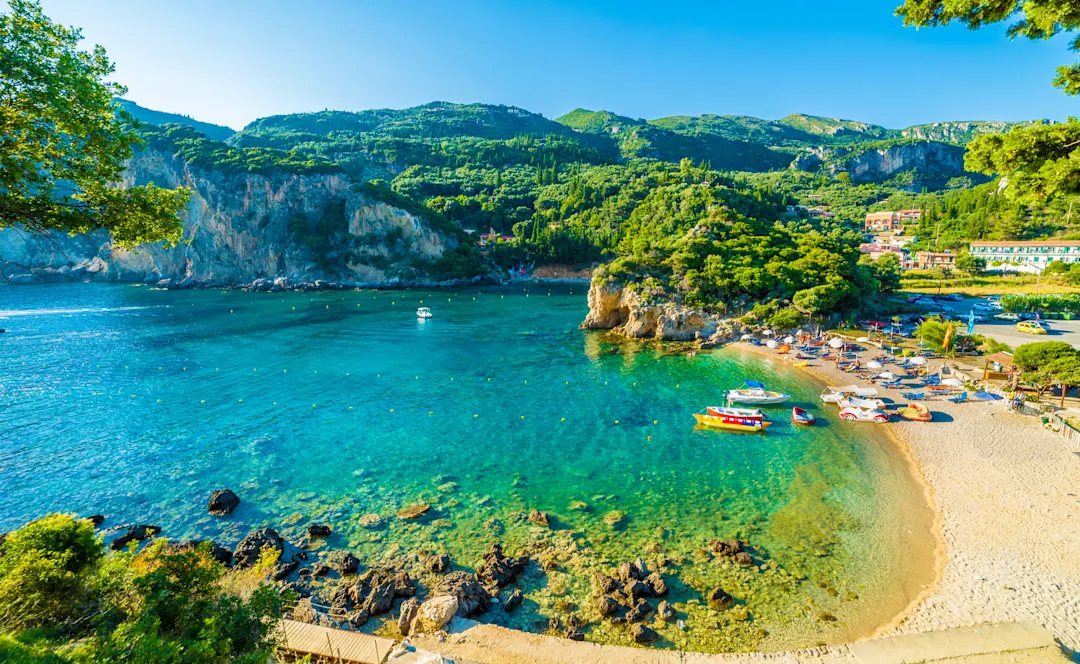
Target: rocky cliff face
(928, 157)
(625, 312)
(242, 227)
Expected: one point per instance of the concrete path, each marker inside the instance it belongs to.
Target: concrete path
(999, 642)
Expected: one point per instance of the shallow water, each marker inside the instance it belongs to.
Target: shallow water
(137, 403)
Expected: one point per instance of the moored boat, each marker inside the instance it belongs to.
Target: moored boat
(754, 392)
(801, 416)
(424, 312)
(733, 419)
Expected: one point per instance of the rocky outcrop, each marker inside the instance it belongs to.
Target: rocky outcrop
(240, 227)
(625, 311)
(222, 502)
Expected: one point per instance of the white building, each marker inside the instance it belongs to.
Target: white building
(1018, 256)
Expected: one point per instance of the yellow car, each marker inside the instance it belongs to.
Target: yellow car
(1031, 327)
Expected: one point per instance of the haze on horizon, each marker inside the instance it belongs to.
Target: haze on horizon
(230, 63)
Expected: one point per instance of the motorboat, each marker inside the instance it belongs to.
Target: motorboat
(801, 416)
(424, 312)
(755, 393)
(733, 419)
(916, 412)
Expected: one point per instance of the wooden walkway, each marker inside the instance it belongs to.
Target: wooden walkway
(334, 645)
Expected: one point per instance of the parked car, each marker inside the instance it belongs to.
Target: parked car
(979, 317)
(986, 306)
(873, 323)
(1031, 327)
(1007, 316)
(952, 297)
(938, 315)
(1028, 315)
(854, 414)
(925, 302)
(993, 298)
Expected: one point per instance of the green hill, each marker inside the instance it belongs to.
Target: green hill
(150, 116)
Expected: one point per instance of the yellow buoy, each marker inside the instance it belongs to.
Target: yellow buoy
(159, 400)
(655, 422)
(476, 415)
(350, 407)
(328, 306)
(275, 403)
(203, 401)
(650, 437)
(616, 421)
(522, 417)
(563, 419)
(391, 410)
(239, 401)
(431, 412)
(312, 405)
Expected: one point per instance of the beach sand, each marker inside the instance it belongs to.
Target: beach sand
(1006, 493)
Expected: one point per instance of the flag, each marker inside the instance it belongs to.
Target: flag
(971, 322)
(947, 341)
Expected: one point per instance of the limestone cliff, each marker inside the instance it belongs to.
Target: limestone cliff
(929, 163)
(626, 312)
(240, 227)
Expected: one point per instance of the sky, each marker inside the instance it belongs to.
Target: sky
(232, 61)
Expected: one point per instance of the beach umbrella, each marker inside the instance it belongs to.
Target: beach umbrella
(863, 339)
(917, 360)
(800, 333)
(874, 364)
(887, 375)
(953, 382)
(771, 343)
(767, 333)
(987, 396)
(789, 340)
(746, 337)
(836, 343)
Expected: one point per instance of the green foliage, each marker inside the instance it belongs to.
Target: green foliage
(932, 332)
(149, 116)
(1056, 267)
(971, 264)
(163, 605)
(786, 319)
(1029, 357)
(1055, 303)
(886, 269)
(197, 150)
(59, 160)
(42, 571)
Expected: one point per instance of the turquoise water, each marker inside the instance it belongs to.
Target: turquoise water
(136, 403)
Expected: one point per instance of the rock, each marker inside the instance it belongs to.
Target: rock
(349, 564)
(221, 554)
(409, 609)
(743, 558)
(574, 634)
(380, 598)
(438, 563)
(134, 534)
(536, 517)
(640, 571)
(614, 518)
(718, 599)
(340, 600)
(579, 506)
(251, 547)
(666, 612)
(370, 521)
(513, 601)
(639, 611)
(725, 547)
(635, 590)
(282, 570)
(498, 569)
(605, 584)
(643, 634)
(414, 511)
(471, 597)
(656, 584)
(96, 519)
(222, 502)
(630, 571)
(436, 612)
(320, 570)
(607, 606)
(318, 530)
(358, 618)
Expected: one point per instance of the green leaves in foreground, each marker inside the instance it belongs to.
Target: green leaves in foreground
(64, 142)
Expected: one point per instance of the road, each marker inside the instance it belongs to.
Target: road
(1006, 332)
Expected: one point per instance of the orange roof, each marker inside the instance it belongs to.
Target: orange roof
(1030, 243)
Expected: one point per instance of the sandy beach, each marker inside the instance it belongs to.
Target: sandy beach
(1006, 493)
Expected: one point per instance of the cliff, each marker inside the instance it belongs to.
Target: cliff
(907, 163)
(241, 227)
(624, 311)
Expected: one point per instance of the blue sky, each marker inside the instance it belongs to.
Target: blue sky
(231, 61)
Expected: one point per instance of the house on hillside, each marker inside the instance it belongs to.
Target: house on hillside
(1020, 256)
(877, 222)
(876, 251)
(926, 260)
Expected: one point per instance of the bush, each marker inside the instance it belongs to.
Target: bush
(786, 319)
(1030, 357)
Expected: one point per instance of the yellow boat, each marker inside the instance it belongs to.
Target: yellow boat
(733, 419)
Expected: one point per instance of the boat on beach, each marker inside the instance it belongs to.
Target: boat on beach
(802, 416)
(733, 419)
(916, 412)
(754, 392)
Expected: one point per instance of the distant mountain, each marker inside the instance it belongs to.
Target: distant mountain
(150, 116)
(846, 130)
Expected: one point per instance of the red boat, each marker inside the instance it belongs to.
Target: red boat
(801, 416)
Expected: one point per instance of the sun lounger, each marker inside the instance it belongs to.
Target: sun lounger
(959, 398)
(914, 396)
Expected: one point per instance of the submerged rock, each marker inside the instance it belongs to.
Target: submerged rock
(348, 564)
(370, 521)
(728, 547)
(414, 511)
(718, 599)
(438, 563)
(538, 518)
(513, 601)
(134, 534)
(96, 519)
(319, 530)
(666, 612)
(643, 634)
(222, 502)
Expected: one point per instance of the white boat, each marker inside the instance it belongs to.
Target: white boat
(755, 392)
(838, 394)
(865, 404)
(424, 312)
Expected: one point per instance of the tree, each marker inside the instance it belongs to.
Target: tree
(1056, 267)
(1029, 357)
(64, 141)
(1036, 161)
(971, 264)
(886, 269)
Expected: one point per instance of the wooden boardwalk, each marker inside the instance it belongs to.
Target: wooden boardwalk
(334, 645)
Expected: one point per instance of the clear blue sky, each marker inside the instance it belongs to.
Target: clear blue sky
(231, 61)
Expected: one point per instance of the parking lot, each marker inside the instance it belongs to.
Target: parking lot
(1006, 332)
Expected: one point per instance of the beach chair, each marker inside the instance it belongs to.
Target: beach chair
(959, 398)
(914, 396)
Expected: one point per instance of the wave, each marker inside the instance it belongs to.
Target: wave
(12, 313)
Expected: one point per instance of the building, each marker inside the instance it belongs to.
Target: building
(876, 251)
(890, 221)
(926, 260)
(1017, 256)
